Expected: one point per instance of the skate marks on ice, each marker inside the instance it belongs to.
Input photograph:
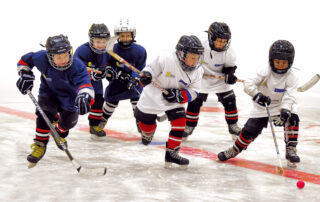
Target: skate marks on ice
(194, 152)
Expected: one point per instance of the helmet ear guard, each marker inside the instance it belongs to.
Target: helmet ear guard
(58, 45)
(189, 44)
(282, 50)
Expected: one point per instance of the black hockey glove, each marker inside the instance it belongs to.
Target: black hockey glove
(174, 95)
(284, 116)
(146, 78)
(83, 102)
(25, 82)
(230, 78)
(261, 99)
(123, 76)
(133, 82)
(111, 74)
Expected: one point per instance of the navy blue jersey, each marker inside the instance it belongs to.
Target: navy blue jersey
(94, 60)
(64, 85)
(136, 55)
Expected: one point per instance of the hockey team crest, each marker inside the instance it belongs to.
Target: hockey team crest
(168, 74)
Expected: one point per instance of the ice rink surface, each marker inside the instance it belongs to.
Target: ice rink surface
(136, 172)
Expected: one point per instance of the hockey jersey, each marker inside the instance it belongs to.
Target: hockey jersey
(213, 62)
(64, 85)
(93, 60)
(281, 88)
(167, 72)
(117, 90)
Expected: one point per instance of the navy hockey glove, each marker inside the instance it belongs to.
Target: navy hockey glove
(111, 74)
(133, 82)
(123, 76)
(230, 78)
(25, 82)
(284, 116)
(261, 99)
(83, 102)
(174, 95)
(146, 78)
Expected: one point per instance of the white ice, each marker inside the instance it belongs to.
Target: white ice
(136, 172)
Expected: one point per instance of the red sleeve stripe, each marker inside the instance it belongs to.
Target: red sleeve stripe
(85, 86)
(21, 62)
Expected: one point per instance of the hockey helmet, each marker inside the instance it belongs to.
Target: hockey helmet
(100, 31)
(219, 30)
(282, 50)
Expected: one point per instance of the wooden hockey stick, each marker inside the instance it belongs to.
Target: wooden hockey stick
(310, 83)
(127, 64)
(220, 77)
(82, 170)
(279, 169)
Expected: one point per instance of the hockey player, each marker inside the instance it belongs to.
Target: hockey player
(65, 88)
(94, 55)
(179, 73)
(275, 86)
(219, 59)
(126, 85)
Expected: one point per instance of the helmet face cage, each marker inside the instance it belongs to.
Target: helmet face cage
(189, 44)
(58, 45)
(281, 50)
(125, 26)
(100, 31)
(219, 30)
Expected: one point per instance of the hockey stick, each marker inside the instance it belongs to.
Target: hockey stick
(127, 64)
(82, 170)
(279, 170)
(310, 83)
(220, 77)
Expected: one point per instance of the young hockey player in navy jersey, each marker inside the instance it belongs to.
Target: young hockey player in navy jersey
(179, 73)
(219, 59)
(65, 88)
(275, 86)
(126, 85)
(94, 55)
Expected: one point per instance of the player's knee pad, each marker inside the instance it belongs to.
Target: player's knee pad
(228, 100)
(176, 113)
(68, 120)
(254, 127)
(147, 129)
(148, 119)
(294, 120)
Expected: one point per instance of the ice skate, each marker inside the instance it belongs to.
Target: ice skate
(172, 156)
(58, 142)
(291, 156)
(38, 151)
(187, 132)
(228, 154)
(146, 138)
(97, 133)
(234, 130)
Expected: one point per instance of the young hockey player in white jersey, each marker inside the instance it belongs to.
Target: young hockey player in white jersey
(179, 73)
(275, 86)
(220, 60)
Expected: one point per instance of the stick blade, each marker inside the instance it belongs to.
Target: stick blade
(92, 171)
(110, 43)
(310, 83)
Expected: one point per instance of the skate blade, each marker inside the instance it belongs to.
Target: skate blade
(291, 164)
(169, 165)
(97, 138)
(31, 165)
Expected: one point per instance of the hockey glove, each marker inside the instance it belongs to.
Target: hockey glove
(230, 78)
(146, 78)
(174, 95)
(25, 82)
(284, 116)
(123, 76)
(133, 82)
(111, 74)
(261, 99)
(83, 102)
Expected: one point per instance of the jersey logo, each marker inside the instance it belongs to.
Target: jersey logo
(279, 90)
(168, 74)
(184, 83)
(218, 65)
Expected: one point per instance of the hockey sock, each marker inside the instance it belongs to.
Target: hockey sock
(175, 135)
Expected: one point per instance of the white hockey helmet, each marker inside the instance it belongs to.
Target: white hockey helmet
(125, 26)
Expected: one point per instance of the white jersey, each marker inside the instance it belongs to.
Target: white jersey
(281, 88)
(213, 62)
(168, 73)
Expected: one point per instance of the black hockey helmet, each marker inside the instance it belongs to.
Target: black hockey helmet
(58, 45)
(189, 44)
(219, 30)
(282, 50)
(98, 31)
